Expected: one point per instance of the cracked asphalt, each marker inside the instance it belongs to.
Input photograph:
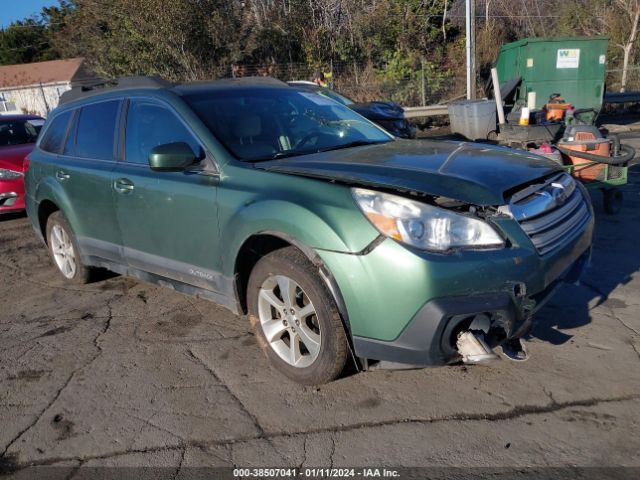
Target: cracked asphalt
(124, 373)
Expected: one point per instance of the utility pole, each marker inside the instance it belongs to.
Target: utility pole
(424, 91)
(471, 49)
(44, 99)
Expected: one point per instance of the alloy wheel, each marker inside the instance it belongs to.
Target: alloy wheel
(63, 252)
(289, 321)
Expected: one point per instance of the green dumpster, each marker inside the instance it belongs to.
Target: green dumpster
(574, 67)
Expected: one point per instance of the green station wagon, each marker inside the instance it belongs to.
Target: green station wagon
(338, 241)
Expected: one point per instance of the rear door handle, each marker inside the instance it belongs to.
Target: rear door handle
(123, 185)
(62, 175)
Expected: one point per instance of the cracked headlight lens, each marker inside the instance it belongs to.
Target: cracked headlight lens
(425, 226)
(9, 174)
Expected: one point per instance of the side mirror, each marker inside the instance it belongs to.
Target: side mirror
(171, 157)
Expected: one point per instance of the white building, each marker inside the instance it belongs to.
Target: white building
(36, 87)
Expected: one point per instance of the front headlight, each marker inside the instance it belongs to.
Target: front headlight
(425, 226)
(9, 174)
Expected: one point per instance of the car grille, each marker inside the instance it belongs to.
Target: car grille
(553, 213)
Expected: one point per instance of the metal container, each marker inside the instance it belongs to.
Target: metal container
(473, 119)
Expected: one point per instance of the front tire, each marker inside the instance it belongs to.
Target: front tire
(295, 319)
(64, 250)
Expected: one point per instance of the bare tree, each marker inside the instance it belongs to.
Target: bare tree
(618, 19)
(444, 20)
(629, 9)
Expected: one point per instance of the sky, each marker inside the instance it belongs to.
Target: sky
(11, 10)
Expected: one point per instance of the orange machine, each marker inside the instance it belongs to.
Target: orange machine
(555, 111)
(586, 170)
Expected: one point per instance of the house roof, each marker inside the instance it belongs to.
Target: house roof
(53, 71)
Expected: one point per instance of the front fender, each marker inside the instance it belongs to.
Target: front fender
(316, 213)
(288, 220)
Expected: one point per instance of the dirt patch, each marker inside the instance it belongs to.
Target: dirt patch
(63, 426)
(615, 303)
(122, 284)
(372, 402)
(179, 325)
(55, 331)
(8, 464)
(28, 375)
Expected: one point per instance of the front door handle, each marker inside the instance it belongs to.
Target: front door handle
(62, 175)
(123, 185)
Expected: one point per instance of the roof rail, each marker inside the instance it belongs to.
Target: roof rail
(83, 90)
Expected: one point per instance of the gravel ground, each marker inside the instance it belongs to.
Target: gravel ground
(123, 373)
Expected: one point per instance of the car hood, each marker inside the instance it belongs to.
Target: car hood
(12, 156)
(379, 110)
(469, 172)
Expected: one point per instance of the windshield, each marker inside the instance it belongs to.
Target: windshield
(266, 123)
(18, 132)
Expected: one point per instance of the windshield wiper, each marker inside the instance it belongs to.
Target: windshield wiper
(296, 153)
(356, 143)
(278, 155)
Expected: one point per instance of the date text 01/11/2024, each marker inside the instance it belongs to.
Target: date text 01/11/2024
(315, 473)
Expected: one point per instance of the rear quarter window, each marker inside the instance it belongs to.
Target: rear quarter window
(55, 134)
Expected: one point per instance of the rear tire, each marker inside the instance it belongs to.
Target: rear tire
(64, 250)
(295, 318)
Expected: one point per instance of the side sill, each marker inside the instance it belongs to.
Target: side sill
(225, 301)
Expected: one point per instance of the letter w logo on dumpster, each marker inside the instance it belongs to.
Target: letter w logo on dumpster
(568, 58)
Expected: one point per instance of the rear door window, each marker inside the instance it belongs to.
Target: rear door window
(54, 136)
(96, 130)
(150, 125)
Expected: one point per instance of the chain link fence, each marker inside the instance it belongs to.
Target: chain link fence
(364, 82)
(414, 87)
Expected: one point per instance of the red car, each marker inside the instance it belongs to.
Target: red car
(18, 135)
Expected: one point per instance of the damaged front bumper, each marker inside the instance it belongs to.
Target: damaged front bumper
(409, 307)
(431, 336)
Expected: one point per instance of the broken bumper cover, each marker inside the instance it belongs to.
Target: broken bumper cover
(403, 305)
(430, 337)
